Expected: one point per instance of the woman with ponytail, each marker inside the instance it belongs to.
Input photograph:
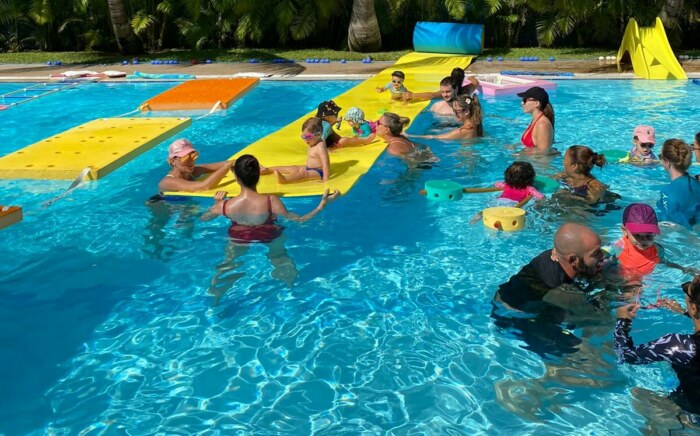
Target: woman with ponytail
(680, 200)
(539, 135)
(579, 160)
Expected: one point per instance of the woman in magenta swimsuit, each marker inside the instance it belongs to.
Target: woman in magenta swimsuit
(254, 219)
(539, 135)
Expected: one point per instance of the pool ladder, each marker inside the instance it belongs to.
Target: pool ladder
(23, 95)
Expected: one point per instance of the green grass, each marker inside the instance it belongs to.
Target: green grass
(234, 55)
(243, 55)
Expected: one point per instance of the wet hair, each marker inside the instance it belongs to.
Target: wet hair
(448, 81)
(677, 153)
(692, 290)
(519, 175)
(697, 137)
(472, 105)
(395, 123)
(548, 112)
(247, 170)
(585, 158)
(313, 125)
(457, 77)
(398, 74)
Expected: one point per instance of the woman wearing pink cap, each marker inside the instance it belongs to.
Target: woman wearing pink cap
(184, 175)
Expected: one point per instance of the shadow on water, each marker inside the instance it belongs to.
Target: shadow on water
(74, 292)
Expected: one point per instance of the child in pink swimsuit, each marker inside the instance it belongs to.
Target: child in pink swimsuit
(519, 180)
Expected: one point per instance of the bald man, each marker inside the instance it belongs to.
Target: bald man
(545, 287)
(576, 254)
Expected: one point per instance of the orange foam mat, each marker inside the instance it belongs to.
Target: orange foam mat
(200, 94)
(10, 215)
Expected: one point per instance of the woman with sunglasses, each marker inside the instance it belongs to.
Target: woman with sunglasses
(682, 351)
(680, 200)
(184, 175)
(539, 135)
(467, 110)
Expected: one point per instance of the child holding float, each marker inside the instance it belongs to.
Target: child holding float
(365, 131)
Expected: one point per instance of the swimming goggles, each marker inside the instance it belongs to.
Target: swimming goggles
(308, 136)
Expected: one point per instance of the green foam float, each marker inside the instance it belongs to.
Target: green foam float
(546, 185)
(443, 190)
(616, 155)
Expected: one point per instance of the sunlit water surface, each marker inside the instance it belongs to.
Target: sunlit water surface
(109, 323)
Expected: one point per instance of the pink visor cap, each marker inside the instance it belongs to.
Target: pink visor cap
(645, 134)
(180, 148)
(640, 218)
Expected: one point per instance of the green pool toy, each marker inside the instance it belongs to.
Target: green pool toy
(546, 185)
(443, 190)
(615, 155)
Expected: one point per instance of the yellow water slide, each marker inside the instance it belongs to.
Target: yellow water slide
(650, 52)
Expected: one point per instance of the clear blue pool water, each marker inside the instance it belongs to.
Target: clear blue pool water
(107, 315)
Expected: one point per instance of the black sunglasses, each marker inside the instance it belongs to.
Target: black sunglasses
(647, 145)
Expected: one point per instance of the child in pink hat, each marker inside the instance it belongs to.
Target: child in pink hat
(644, 140)
(636, 252)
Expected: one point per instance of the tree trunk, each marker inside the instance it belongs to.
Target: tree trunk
(363, 32)
(123, 33)
(671, 12)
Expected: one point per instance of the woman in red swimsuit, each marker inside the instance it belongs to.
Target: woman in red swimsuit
(254, 219)
(539, 135)
(253, 216)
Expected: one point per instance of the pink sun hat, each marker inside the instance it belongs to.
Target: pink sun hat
(180, 148)
(645, 134)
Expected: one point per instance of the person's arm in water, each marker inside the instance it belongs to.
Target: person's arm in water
(458, 133)
(596, 191)
(279, 209)
(217, 208)
(672, 348)
(212, 180)
(662, 258)
(417, 96)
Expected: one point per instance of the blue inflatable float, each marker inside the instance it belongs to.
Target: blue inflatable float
(455, 38)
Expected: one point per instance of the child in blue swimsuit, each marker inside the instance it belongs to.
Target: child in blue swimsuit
(318, 164)
(395, 87)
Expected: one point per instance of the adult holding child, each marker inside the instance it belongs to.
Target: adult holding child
(539, 135)
(467, 110)
(680, 200)
(184, 175)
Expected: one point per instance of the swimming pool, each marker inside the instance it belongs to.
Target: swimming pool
(109, 324)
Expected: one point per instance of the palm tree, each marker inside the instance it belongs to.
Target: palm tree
(363, 32)
(123, 33)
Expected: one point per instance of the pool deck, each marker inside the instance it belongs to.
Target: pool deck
(588, 69)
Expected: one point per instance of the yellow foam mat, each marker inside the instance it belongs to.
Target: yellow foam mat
(285, 147)
(103, 145)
